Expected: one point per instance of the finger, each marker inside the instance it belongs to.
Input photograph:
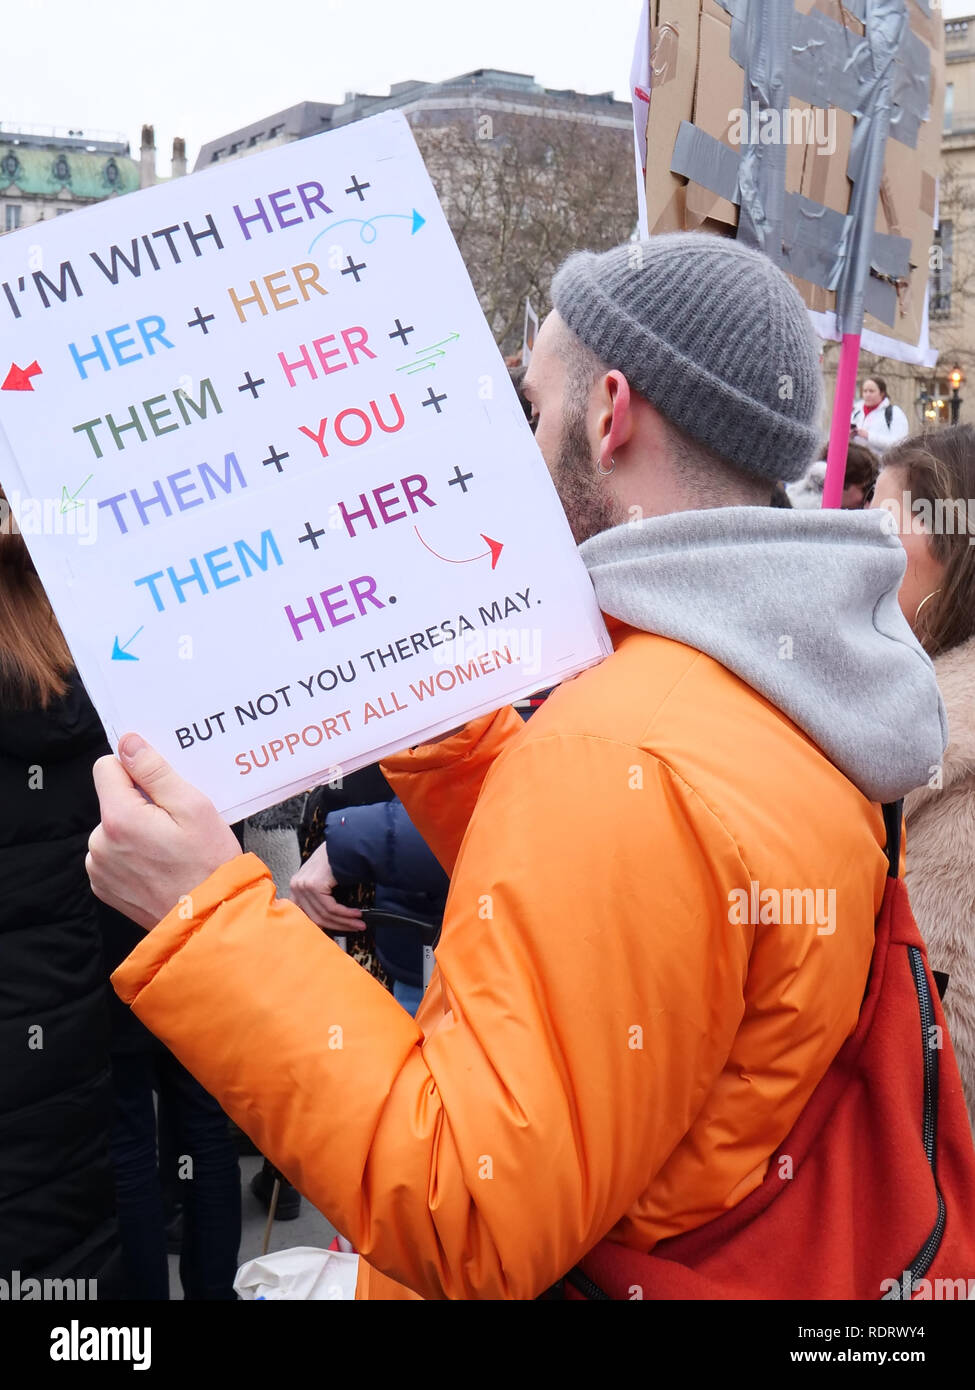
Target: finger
(340, 911)
(306, 901)
(338, 924)
(118, 796)
(150, 771)
(322, 907)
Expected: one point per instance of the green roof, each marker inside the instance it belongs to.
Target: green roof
(46, 171)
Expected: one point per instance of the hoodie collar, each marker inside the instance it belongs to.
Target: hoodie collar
(802, 606)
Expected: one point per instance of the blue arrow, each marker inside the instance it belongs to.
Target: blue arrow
(415, 219)
(120, 654)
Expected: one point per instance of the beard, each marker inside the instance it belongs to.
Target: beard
(588, 503)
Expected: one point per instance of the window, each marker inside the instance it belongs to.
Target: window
(59, 212)
(12, 213)
(949, 105)
(941, 270)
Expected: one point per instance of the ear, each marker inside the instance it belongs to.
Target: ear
(615, 424)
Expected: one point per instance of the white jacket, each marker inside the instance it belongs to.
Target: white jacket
(881, 436)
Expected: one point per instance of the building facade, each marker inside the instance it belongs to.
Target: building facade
(486, 92)
(45, 173)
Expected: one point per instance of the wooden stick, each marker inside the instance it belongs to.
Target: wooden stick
(275, 1193)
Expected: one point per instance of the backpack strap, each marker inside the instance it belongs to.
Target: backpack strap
(889, 415)
(893, 818)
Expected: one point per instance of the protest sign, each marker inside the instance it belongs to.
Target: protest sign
(272, 472)
(713, 119)
(530, 333)
(809, 129)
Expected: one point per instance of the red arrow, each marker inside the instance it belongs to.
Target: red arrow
(18, 378)
(494, 552)
(496, 549)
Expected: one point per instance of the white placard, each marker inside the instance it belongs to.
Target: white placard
(530, 334)
(272, 471)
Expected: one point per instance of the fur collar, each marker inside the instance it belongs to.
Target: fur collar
(955, 671)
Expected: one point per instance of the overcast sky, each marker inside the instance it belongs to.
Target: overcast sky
(200, 68)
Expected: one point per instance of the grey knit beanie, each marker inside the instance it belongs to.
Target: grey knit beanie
(713, 335)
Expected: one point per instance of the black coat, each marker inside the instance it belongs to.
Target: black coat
(57, 1197)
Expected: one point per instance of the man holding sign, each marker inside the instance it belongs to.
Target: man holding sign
(611, 1044)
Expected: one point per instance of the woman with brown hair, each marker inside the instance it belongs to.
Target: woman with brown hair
(57, 1198)
(928, 484)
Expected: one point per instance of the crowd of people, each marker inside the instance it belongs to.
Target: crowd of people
(606, 1058)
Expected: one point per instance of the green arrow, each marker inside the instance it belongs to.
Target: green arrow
(427, 357)
(72, 497)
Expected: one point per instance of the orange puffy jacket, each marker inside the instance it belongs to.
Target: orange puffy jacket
(658, 934)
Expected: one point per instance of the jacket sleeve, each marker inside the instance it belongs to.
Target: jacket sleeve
(587, 995)
(439, 784)
(380, 844)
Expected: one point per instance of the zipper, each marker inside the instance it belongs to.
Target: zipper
(586, 1286)
(924, 1259)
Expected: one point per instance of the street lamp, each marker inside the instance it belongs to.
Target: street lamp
(957, 379)
(927, 407)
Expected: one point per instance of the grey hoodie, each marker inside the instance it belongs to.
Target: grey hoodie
(802, 606)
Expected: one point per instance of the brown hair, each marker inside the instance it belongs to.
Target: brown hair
(939, 467)
(879, 382)
(862, 467)
(34, 657)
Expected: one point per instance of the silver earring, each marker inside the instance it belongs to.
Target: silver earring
(605, 472)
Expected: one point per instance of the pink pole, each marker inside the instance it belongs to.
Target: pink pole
(839, 435)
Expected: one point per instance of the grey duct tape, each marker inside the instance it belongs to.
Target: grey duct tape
(880, 299)
(761, 172)
(912, 91)
(890, 257)
(705, 160)
(890, 268)
(815, 241)
(826, 62)
(885, 35)
(832, 66)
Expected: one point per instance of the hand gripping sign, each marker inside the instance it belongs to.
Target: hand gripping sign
(272, 472)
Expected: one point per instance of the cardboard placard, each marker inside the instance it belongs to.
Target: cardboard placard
(704, 84)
